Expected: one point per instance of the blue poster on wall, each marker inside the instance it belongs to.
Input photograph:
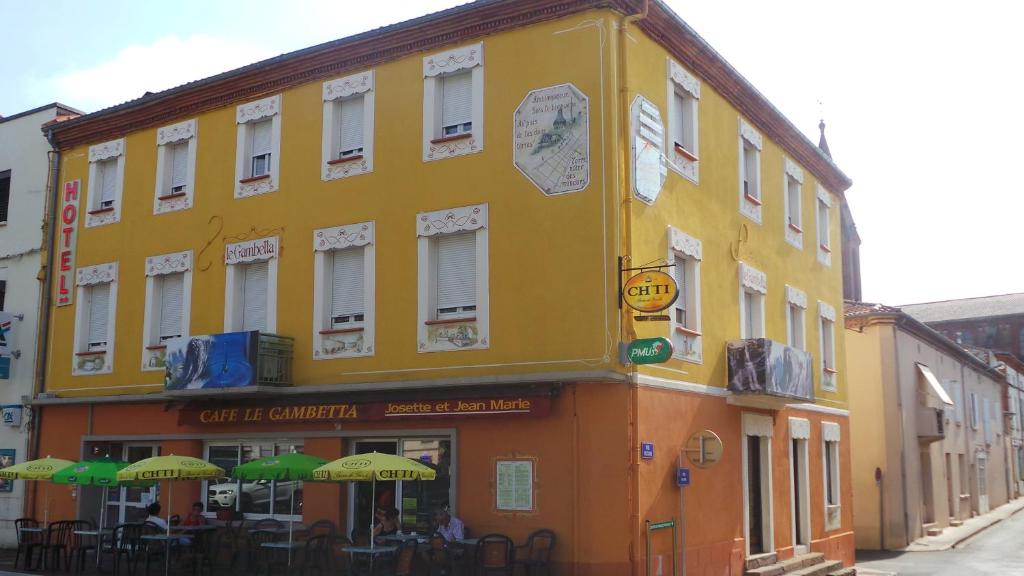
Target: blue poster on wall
(211, 361)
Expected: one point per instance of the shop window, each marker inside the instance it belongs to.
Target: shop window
(750, 143)
(830, 465)
(827, 331)
(175, 167)
(824, 225)
(251, 286)
(453, 103)
(793, 180)
(258, 147)
(683, 118)
(343, 306)
(106, 182)
(168, 303)
(348, 126)
(281, 499)
(686, 252)
(95, 319)
(753, 288)
(796, 328)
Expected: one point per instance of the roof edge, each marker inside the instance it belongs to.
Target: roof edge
(61, 108)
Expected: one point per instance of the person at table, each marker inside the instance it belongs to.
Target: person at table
(153, 511)
(449, 527)
(195, 517)
(386, 524)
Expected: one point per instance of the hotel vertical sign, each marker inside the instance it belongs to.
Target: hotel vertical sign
(67, 241)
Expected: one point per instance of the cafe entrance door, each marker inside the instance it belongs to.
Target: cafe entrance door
(415, 500)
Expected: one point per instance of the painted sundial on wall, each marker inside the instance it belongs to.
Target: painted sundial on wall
(551, 147)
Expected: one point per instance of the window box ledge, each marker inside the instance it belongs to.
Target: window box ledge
(830, 371)
(341, 330)
(452, 138)
(344, 160)
(687, 331)
(825, 249)
(172, 196)
(752, 199)
(254, 179)
(157, 347)
(101, 210)
(450, 321)
(685, 153)
(91, 353)
(796, 228)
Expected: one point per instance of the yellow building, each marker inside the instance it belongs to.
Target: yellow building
(409, 241)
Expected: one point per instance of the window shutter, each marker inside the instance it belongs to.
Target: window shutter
(822, 224)
(179, 165)
(347, 289)
(261, 138)
(108, 180)
(99, 311)
(680, 304)
(351, 126)
(254, 297)
(681, 120)
(456, 270)
(171, 300)
(456, 99)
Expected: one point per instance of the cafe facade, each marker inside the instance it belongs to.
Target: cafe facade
(407, 242)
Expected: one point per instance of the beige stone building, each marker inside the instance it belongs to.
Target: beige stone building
(927, 429)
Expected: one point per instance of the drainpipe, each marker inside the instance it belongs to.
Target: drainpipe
(43, 337)
(633, 476)
(903, 433)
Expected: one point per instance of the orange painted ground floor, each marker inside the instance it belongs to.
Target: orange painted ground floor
(510, 460)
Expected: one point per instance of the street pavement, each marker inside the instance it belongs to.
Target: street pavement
(996, 550)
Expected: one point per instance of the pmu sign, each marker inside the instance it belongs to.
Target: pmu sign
(67, 243)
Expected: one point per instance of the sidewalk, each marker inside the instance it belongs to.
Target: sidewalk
(952, 536)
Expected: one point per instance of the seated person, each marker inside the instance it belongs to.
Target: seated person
(386, 524)
(153, 511)
(195, 517)
(449, 527)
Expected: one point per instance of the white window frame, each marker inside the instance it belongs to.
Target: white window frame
(247, 116)
(827, 321)
(800, 430)
(435, 67)
(762, 426)
(166, 200)
(750, 200)
(824, 202)
(114, 153)
(793, 178)
(359, 340)
(85, 361)
(755, 283)
(234, 281)
(238, 483)
(355, 86)
(687, 340)
(429, 225)
(796, 305)
(830, 436)
(158, 267)
(683, 148)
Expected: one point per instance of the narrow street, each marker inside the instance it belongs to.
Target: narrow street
(997, 550)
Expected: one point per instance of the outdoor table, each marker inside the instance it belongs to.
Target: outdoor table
(27, 530)
(467, 541)
(100, 536)
(166, 539)
(196, 528)
(372, 552)
(405, 538)
(295, 529)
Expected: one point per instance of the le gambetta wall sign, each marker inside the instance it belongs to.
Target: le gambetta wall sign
(250, 414)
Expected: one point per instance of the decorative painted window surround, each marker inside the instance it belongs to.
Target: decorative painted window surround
(154, 352)
(353, 89)
(753, 288)
(236, 256)
(827, 328)
(792, 187)
(168, 141)
(760, 426)
(683, 118)
(796, 326)
(435, 145)
(830, 433)
(86, 361)
(750, 144)
(687, 252)
(824, 225)
(345, 342)
(247, 116)
(106, 156)
(443, 334)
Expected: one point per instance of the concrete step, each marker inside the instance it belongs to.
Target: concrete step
(851, 571)
(760, 560)
(933, 531)
(821, 569)
(954, 522)
(787, 566)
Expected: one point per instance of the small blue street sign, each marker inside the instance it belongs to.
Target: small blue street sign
(647, 450)
(5, 368)
(682, 476)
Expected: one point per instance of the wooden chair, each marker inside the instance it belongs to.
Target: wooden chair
(535, 555)
(494, 555)
(28, 542)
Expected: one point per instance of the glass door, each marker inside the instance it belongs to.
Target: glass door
(126, 504)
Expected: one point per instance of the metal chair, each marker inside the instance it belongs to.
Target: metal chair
(267, 524)
(494, 554)
(56, 546)
(258, 555)
(80, 544)
(535, 555)
(437, 556)
(124, 544)
(322, 527)
(27, 541)
(318, 555)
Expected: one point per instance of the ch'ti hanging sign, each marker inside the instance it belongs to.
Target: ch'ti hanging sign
(650, 291)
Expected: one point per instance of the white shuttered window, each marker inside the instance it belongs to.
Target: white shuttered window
(347, 306)
(179, 167)
(171, 298)
(261, 141)
(456, 274)
(351, 127)
(679, 270)
(254, 296)
(99, 312)
(457, 103)
(106, 171)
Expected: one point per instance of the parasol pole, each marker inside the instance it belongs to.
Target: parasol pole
(167, 543)
(373, 506)
(46, 506)
(291, 523)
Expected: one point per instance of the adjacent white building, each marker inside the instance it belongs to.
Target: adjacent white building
(24, 168)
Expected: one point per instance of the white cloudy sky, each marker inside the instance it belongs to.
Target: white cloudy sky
(920, 100)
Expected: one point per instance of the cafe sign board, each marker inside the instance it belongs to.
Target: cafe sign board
(649, 351)
(650, 291)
